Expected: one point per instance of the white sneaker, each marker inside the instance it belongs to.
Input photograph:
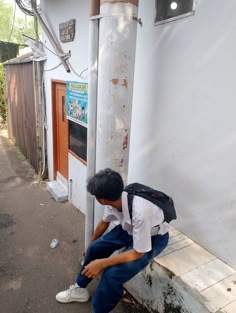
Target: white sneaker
(73, 294)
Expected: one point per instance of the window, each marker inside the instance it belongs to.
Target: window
(168, 10)
(78, 140)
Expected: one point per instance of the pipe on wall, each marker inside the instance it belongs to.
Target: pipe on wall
(94, 7)
(92, 112)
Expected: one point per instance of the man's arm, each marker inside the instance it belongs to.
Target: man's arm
(99, 231)
(95, 267)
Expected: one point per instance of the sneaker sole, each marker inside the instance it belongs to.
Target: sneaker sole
(72, 300)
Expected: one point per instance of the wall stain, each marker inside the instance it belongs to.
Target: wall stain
(148, 279)
(109, 140)
(171, 304)
(121, 163)
(125, 83)
(115, 81)
(125, 142)
(151, 266)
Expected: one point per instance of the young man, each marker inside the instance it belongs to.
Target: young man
(144, 238)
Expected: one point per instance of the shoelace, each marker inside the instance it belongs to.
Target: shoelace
(72, 287)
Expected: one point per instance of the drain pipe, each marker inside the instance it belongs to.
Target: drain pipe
(92, 112)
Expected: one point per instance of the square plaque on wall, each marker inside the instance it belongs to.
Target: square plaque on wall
(67, 31)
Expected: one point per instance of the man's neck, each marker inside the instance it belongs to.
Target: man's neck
(117, 204)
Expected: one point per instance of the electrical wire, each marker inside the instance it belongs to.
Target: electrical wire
(73, 70)
(48, 48)
(83, 71)
(26, 7)
(53, 68)
(71, 67)
(13, 23)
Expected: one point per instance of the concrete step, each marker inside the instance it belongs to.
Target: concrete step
(186, 278)
(58, 191)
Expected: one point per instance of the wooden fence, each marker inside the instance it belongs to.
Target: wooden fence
(21, 110)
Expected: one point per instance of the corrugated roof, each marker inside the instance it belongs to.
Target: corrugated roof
(11, 43)
(25, 58)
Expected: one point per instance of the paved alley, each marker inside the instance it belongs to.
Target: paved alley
(31, 273)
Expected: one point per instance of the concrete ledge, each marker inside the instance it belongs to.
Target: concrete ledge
(185, 278)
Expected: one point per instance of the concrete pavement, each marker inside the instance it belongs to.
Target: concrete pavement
(31, 273)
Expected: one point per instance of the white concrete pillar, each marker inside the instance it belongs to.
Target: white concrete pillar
(117, 44)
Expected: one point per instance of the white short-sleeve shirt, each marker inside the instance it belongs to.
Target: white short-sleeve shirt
(147, 221)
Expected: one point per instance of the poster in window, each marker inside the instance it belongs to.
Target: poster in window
(77, 102)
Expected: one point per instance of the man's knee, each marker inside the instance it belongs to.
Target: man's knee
(93, 248)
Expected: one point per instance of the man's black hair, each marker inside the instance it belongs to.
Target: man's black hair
(106, 184)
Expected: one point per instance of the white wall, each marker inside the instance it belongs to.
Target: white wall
(54, 14)
(77, 178)
(183, 137)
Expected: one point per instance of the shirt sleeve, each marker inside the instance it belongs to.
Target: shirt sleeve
(108, 215)
(142, 235)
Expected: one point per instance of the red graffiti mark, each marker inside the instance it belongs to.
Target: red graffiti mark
(125, 142)
(115, 81)
(125, 83)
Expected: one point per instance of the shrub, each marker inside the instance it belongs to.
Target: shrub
(3, 104)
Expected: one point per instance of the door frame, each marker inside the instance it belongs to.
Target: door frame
(54, 82)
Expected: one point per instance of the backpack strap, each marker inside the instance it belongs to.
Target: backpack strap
(130, 198)
(130, 189)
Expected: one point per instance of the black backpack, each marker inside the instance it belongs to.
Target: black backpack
(157, 197)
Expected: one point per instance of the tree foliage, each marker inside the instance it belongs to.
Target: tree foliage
(12, 28)
(6, 15)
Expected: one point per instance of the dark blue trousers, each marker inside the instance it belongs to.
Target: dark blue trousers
(110, 288)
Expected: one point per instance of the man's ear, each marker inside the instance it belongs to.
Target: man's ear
(102, 201)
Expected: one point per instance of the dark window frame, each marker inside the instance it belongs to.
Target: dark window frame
(164, 4)
(79, 148)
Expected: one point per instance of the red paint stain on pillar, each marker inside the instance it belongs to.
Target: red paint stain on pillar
(115, 81)
(125, 83)
(125, 142)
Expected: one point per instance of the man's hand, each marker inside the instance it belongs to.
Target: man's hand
(93, 268)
